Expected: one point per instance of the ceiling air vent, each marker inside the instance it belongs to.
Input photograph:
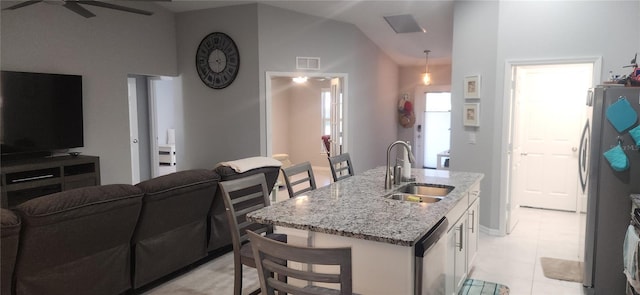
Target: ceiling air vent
(404, 23)
(307, 63)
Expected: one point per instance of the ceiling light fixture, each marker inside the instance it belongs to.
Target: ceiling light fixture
(300, 79)
(426, 78)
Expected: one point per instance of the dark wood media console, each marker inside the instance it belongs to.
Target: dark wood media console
(23, 180)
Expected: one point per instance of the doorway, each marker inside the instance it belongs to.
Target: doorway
(150, 118)
(437, 129)
(545, 103)
(547, 121)
(299, 112)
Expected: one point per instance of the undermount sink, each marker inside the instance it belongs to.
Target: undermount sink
(426, 189)
(414, 198)
(421, 192)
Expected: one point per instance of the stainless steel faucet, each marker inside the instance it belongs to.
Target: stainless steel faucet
(388, 176)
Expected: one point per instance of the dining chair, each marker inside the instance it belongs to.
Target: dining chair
(242, 196)
(304, 179)
(339, 164)
(271, 257)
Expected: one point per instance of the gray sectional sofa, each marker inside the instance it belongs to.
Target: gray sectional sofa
(118, 238)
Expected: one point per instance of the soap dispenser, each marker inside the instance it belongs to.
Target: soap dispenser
(406, 170)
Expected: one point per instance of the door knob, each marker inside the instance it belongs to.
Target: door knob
(135, 140)
(574, 149)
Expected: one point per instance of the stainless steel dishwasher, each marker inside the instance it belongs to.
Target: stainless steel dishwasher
(430, 261)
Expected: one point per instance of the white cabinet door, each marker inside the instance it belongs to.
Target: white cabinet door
(460, 270)
(451, 261)
(472, 233)
(456, 256)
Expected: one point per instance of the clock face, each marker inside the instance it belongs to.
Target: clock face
(217, 60)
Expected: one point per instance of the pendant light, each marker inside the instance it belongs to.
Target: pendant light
(426, 78)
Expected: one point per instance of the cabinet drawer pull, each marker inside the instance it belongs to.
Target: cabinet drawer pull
(472, 221)
(461, 237)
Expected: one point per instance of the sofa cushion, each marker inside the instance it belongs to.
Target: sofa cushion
(78, 241)
(76, 203)
(10, 223)
(10, 232)
(172, 230)
(173, 181)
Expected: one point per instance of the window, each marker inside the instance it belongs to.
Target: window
(326, 115)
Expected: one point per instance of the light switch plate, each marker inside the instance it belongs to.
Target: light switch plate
(472, 138)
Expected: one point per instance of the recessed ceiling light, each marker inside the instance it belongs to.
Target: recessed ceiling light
(300, 80)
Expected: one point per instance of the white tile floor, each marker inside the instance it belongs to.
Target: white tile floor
(514, 260)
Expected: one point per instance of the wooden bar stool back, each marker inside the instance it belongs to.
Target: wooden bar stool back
(242, 196)
(341, 166)
(299, 179)
(271, 257)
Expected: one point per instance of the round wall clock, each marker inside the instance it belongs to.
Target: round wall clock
(217, 60)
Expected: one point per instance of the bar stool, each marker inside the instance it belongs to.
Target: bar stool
(303, 170)
(242, 196)
(339, 164)
(271, 257)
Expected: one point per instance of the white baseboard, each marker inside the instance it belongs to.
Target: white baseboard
(491, 231)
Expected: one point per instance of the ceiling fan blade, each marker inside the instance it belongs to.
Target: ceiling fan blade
(114, 6)
(23, 4)
(73, 6)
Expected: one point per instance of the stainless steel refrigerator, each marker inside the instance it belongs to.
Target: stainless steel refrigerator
(608, 190)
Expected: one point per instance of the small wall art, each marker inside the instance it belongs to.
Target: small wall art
(471, 114)
(472, 86)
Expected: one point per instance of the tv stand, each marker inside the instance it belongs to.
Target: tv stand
(26, 179)
(12, 157)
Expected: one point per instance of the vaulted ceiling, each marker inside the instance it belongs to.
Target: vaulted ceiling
(406, 49)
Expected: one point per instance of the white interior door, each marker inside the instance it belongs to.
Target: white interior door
(548, 129)
(133, 131)
(336, 117)
(153, 125)
(513, 202)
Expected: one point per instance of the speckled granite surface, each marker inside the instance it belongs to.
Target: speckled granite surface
(355, 207)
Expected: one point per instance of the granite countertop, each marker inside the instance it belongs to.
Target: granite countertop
(355, 207)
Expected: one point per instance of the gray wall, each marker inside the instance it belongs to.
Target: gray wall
(218, 124)
(525, 30)
(104, 50)
(372, 76)
(280, 119)
(476, 26)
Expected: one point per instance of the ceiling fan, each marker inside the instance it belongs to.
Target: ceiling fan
(74, 5)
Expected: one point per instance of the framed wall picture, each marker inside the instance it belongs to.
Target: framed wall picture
(472, 86)
(471, 114)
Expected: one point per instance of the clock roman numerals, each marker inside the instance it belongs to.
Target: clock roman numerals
(217, 60)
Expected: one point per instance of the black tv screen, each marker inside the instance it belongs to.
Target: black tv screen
(40, 112)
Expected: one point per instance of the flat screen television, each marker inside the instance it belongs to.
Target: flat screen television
(41, 113)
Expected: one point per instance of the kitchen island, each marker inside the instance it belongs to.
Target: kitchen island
(381, 232)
